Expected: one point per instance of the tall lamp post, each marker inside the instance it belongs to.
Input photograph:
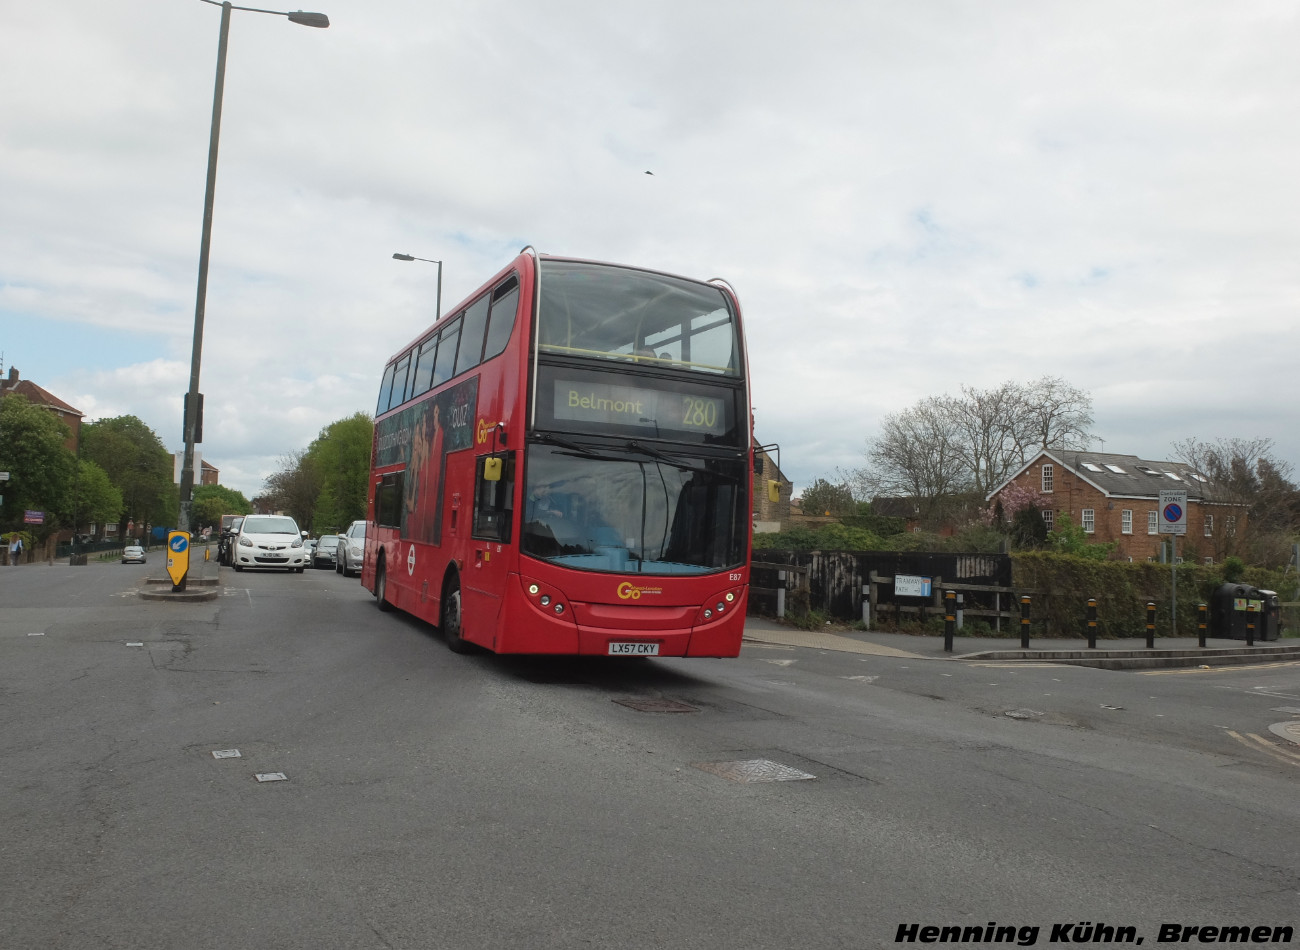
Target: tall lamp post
(408, 257)
(193, 423)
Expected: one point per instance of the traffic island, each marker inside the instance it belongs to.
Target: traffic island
(198, 586)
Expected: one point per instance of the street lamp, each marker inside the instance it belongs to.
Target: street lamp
(193, 420)
(408, 257)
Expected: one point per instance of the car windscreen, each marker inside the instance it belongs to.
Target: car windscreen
(270, 526)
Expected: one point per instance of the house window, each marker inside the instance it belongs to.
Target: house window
(1048, 472)
(1126, 521)
(1230, 525)
(1209, 526)
(1089, 521)
(1049, 518)
(1153, 522)
(1209, 560)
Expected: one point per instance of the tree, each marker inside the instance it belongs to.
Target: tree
(94, 497)
(341, 455)
(296, 487)
(917, 455)
(823, 498)
(987, 441)
(210, 502)
(1243, 473)
(40, 467)
(1052, 415)
(138, 464)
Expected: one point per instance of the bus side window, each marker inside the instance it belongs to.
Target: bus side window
(400, 391)
(505, 301)
(388, 500)
(385, 391)
(446, 363)
(423, 374)
(471, 335)
(494, 501)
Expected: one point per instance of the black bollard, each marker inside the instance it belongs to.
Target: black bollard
(1250, 623)
(1202, 612)
(949, 618)
(1024, 622)
(1151, 626)
(1092, 623)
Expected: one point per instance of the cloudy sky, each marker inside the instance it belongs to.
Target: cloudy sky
(907, 196)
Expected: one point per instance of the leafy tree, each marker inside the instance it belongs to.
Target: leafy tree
(341, 456)
(823, 498)
(917, 455)
(94, 499)
(138, 464)
(1068, 538)
(40, 467)
(210, 502)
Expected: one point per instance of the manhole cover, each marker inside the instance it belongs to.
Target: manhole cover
(271, 777)
(656, 705)
(754, 770)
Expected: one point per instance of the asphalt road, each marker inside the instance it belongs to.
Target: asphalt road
(435, 800)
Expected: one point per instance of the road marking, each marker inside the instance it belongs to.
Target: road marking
(1252, 741)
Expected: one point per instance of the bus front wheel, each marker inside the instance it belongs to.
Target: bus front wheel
(381, 588)
(451, 618)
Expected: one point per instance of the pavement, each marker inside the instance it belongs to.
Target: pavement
(1110, 654)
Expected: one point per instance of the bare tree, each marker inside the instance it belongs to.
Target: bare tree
(296, 487)
(1053, 415)
(1244, 473)
(918, 455)
(985, 421)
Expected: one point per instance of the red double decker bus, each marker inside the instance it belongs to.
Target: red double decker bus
(562, 465)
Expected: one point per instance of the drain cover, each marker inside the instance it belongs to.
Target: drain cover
(271, 777)
(656, 705)
(754, 770)
(226, 754)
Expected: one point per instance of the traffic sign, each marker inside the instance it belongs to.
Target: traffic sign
(1173, 511)
(178, 558)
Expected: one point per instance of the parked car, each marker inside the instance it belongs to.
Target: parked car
(133, 554)
(269, 541)
(352, 549)
(226, 543)
(327, 549)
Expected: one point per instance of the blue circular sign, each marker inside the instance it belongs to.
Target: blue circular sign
(1173, 513)
(179, 543)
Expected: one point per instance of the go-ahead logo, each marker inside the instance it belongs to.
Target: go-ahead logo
(484, 429)
(629, 591)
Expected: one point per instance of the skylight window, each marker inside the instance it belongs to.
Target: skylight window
(1174, 476)
(1116, 469)
(1092, 466)
(1148, 471)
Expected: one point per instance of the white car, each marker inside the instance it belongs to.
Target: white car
(269, 541)
(352, 549)
(133, 554)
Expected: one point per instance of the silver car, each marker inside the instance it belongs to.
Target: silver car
(352, 549)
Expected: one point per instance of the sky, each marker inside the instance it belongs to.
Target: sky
(908, 197)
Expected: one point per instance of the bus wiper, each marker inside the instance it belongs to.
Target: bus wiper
(571, 446)
(685, 466)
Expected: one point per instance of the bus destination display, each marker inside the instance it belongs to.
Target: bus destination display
(656, 410)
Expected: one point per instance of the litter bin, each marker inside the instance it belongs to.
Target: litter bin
(1230, 613)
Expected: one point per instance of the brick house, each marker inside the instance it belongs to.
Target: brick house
(1116, 498)
(47, 400)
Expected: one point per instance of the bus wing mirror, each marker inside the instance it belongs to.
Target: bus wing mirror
(492, 469)
(773, 490)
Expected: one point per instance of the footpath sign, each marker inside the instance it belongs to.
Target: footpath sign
(910, 585)
(1173, 512)
(178, 558)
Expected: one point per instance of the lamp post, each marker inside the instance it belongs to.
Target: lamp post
(408, 257)
(193, 418)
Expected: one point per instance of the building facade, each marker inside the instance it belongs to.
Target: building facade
(1116, 498)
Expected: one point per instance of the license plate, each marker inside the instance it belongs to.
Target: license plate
(634, 649)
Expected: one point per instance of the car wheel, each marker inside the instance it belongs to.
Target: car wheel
(237, 568)
(451, 618)
(338, 568)
(381, 589)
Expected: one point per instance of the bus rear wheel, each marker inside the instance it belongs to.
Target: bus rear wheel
(381, 588)
(451, 619)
